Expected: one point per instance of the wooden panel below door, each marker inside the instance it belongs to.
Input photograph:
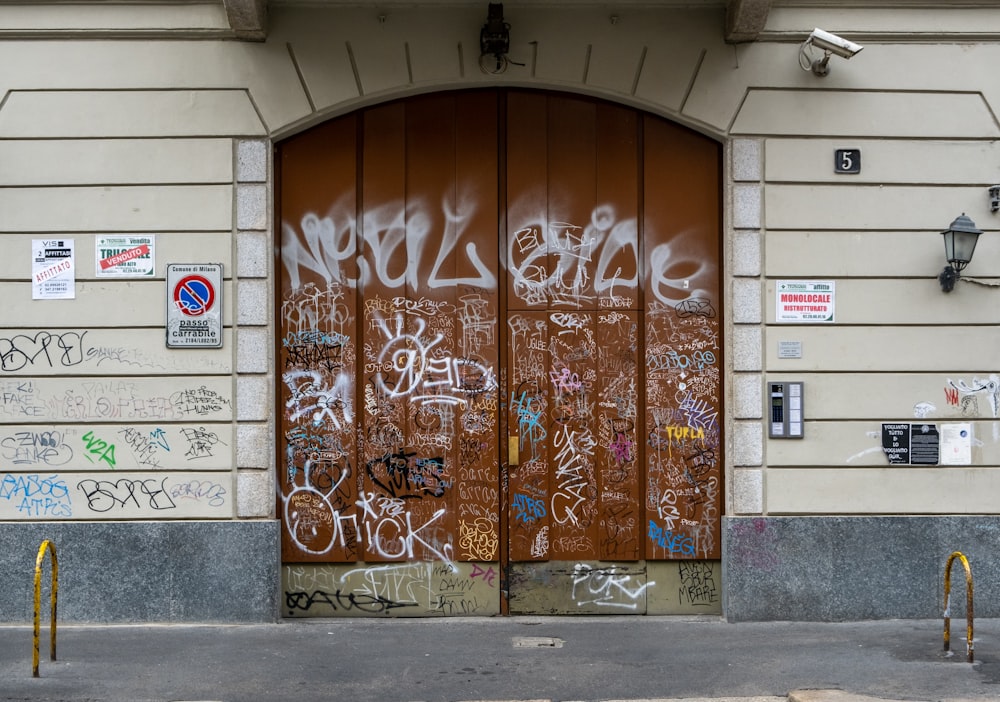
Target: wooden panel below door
(683, 351)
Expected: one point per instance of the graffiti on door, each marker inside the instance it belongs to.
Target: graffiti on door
(436, 296)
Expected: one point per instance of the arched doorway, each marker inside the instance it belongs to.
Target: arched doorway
(499, 363)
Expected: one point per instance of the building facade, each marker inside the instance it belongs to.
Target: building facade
(464, 309)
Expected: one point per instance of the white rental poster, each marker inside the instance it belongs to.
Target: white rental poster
(804, 301)
(53, 269)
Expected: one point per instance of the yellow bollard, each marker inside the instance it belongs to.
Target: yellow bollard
(968, 607)
(51, 548)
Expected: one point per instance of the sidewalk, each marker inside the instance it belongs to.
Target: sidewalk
(522, 658)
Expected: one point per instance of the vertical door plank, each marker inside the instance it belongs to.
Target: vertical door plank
(317, 346)
(615, 225)
(681, 230)
(571, 241)
(388, 348)
(431, 399)
(527, 324)
(475, 230)
(527, 201)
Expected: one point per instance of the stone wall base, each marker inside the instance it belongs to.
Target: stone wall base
(125, 572)
(855, 568)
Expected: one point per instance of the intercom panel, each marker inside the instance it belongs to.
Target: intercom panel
(785, 410)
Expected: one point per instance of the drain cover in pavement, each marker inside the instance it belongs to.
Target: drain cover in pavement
(537, 642)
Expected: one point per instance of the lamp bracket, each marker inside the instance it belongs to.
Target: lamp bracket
(494, 38)
(947, 278)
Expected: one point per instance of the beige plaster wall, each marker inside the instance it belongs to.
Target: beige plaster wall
(143, 119)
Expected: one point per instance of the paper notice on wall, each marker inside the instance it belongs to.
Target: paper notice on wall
(956, 444)
(911, 444)
(925, 445)
(53, 269)
(896, 442)
(804, 301)
(125, 256)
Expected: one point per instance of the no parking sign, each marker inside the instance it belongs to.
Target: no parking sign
(194, 305)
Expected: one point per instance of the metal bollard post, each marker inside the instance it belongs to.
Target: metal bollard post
(968, 607)
(51, 548)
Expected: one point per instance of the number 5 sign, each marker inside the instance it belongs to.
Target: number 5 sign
(847, 161)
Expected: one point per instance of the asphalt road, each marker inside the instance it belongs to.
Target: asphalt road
(522, 658)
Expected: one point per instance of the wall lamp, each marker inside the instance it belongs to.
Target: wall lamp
(494, 40)
(829, 44)
(959, 244)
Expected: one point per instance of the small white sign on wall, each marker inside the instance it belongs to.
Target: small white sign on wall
(124, 256)
(956, 444)
(804, 301)
(789, 349)
(53, 269)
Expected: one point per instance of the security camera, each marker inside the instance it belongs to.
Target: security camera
(834, 44)
(830, 44)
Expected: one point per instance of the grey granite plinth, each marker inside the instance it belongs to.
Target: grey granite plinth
(122, 572)
(856, 568)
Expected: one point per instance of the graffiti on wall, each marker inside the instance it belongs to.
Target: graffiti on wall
(122, 495)
(611, 588)
(78, 443)
(599, 587)
(698, 584)
(114, 400)
(978, 397)
(394, 589)
(98, 352)
(115, 446)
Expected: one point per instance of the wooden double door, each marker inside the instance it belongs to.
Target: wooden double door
(497, 347)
